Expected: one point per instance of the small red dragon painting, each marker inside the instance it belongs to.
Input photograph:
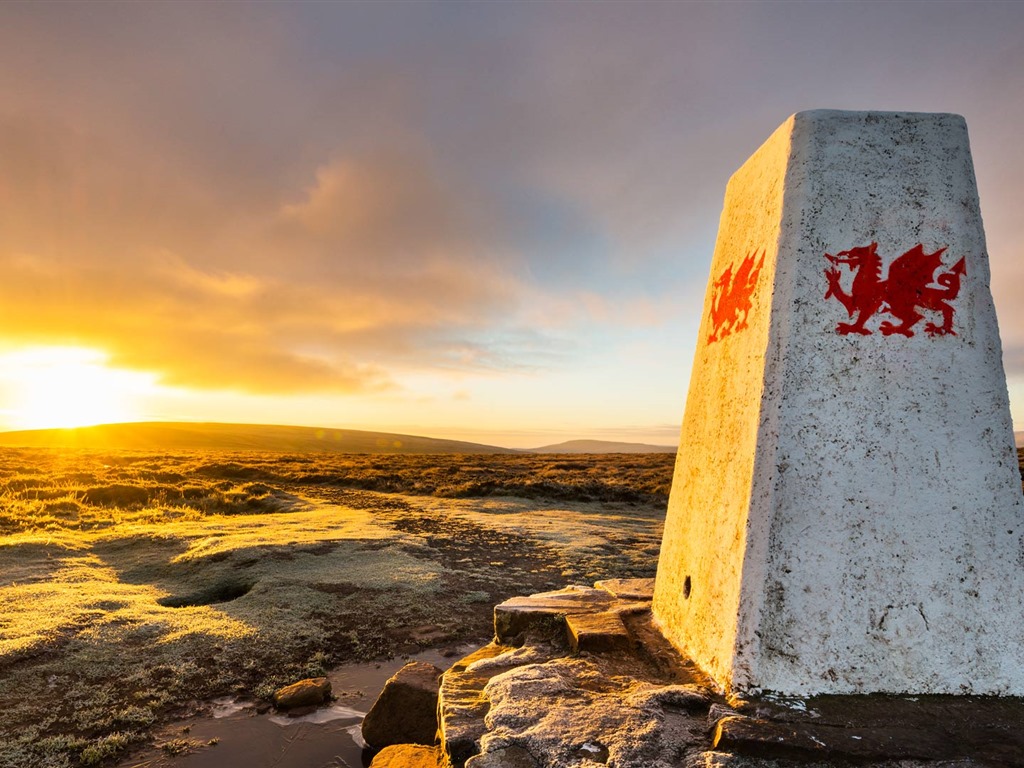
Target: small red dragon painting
(908, 288)
(731, 301)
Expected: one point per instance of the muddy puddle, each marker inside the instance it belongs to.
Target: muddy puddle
(234, 735)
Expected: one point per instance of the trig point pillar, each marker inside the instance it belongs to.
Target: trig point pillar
(846, 512)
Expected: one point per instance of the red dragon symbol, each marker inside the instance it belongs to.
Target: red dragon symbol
(730, 305)
(907, 289)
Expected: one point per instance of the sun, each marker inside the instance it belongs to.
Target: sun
(49, 387)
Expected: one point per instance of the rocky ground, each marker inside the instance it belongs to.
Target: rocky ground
(580, 677)
(124, 606)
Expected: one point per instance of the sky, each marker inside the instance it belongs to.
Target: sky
(484, 221)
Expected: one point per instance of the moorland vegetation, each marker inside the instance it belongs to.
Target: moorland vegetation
(136, 586)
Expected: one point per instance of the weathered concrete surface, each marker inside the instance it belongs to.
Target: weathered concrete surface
(846, 513)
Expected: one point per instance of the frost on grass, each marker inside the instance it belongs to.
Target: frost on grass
(134, 587)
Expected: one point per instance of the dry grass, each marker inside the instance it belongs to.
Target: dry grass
(133, 586)
(51, 490)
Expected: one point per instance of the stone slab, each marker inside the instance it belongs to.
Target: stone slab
(601, 632)
(543, 615)
(628, 589)
(646, 705)
(507, 757)
(462, 704)
(712, 759)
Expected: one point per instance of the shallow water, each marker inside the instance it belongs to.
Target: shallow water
(327, 738)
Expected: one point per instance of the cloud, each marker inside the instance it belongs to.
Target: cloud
(389, 204)
(315, 198)
(220, 283)
(373, 268)
(189, 335)
(398, 211)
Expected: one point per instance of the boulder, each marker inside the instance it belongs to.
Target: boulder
(408, 756)
(406, 710)
(304, 693)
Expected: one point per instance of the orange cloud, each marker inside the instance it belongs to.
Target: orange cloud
(375, 266)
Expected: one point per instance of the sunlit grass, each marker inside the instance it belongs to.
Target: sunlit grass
(84, 596)
(52, 490)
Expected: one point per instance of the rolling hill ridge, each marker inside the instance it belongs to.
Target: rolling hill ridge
(602, 446)
(150, 436)
(212, 436)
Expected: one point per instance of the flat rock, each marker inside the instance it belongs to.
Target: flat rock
(509, 757)
(406, 710)
(601, 632)
(985, 729)
(542, 616)
(628, 589)
(461, 701)
(408, 756)
(305, 693)
(583, 711)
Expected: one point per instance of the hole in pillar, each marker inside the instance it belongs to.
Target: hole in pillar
(686, 588)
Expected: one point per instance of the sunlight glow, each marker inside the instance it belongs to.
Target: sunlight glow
(47, 387)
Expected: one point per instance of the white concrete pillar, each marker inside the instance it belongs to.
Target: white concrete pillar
(846, 511)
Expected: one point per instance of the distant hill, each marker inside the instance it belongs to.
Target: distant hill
(1018, 439)
(160, 436)
(602, 446)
